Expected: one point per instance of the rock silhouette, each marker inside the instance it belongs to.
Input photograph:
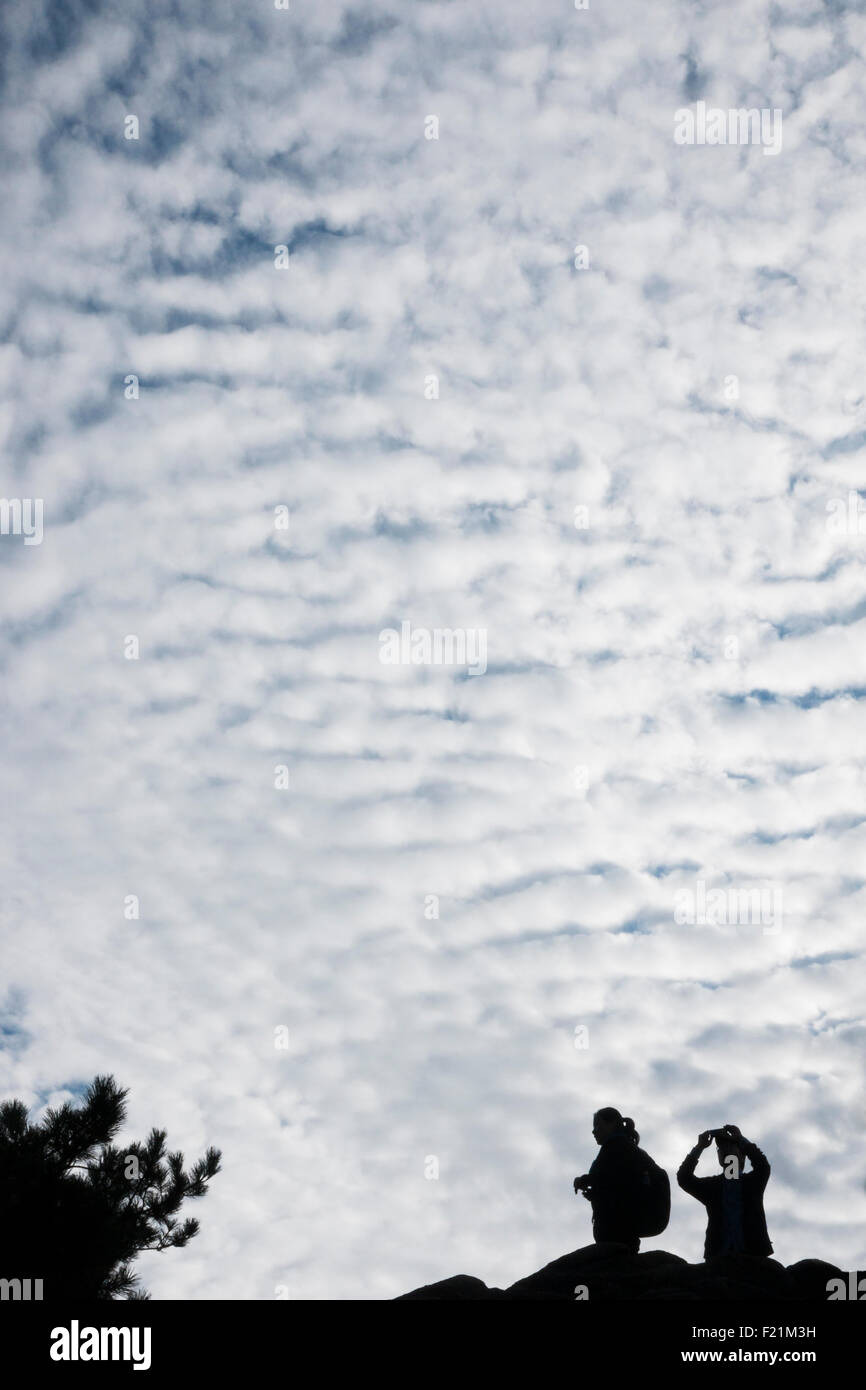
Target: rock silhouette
(610, 1274)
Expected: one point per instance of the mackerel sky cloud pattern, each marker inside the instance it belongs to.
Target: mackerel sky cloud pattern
(674, 689)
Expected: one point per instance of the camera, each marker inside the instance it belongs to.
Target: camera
(723, 1133)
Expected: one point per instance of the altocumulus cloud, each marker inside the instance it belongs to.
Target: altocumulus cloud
(525, 366)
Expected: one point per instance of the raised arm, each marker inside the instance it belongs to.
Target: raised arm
(686, 1171)
(758, 1159)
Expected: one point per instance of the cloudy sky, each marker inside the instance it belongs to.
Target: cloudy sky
(525, 368)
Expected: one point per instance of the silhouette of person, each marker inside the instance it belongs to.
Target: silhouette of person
(611, 1184)
(736, 1224)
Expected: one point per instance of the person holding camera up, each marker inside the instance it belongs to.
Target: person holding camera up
(736, 1224)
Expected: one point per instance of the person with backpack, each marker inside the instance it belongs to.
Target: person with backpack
(629, 1193)
(736, 1224)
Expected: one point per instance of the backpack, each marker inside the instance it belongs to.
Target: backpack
(654, 1199)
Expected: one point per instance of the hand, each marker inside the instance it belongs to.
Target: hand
(580, 1183)
(705, 1138)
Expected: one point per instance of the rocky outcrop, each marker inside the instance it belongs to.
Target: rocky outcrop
(607, 1273)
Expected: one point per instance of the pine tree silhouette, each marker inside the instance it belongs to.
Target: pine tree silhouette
(76, 1211)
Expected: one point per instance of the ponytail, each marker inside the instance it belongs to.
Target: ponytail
(624, 1124)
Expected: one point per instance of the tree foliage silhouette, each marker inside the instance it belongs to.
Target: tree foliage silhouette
(75, 1210)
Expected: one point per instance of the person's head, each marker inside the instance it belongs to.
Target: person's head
(608, 1122)
(728, 1148)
